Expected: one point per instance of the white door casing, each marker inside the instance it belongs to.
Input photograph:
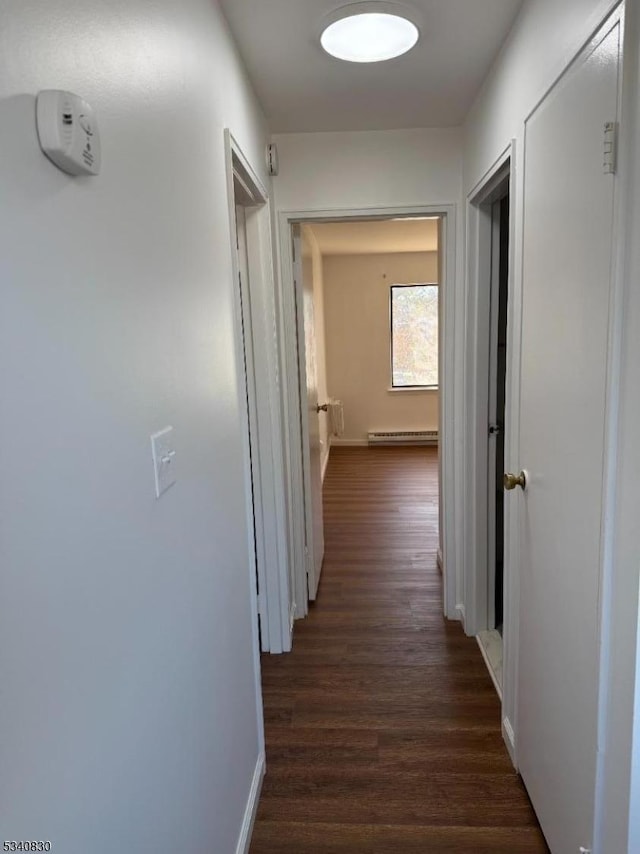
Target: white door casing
(252, 421)
(441, 410)
(481, 366)
(452, 329)
(259, 387)
(567, 252)
(310, 419)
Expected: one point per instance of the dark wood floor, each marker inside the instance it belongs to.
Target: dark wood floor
(383, 726)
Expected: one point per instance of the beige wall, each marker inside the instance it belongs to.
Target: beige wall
(356, 301)
(312, 264)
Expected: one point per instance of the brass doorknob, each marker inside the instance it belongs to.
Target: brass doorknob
(510, 481)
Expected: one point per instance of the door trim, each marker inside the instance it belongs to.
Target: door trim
(617, 818)
(452, 475)
(618, 804)
(266, 446)
(477, 298)
(476, 449)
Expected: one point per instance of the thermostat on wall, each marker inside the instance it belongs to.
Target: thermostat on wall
(68, 132)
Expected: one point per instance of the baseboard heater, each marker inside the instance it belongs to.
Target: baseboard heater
(404, 437)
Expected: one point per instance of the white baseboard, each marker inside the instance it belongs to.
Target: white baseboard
(325, 462)
(510, 740)
(460, 612)
(492, 674)
(353, 443)
(244, 840)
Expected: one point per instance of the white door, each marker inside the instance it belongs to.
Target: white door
(252, 412)
(311, 449)
(568, 228)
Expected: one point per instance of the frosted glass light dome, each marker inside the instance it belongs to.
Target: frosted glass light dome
(369, 37)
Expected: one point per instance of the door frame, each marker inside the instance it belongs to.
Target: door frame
(476, 573)
(452, 484)
(617, 802)
(617, 797)
(478, 300)
(262, 444)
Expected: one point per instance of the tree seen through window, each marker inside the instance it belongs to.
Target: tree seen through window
(414, 336)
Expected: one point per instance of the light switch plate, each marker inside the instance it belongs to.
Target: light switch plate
(164, 459)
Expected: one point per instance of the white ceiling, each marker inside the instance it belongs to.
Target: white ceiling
(303, 89)
(374, 237)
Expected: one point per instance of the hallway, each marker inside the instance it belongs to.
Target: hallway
(383, 726)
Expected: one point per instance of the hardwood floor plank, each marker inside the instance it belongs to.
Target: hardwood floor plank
(288, 837)
(455, 840)
(296, 838)
(383, 726)
(424, 798)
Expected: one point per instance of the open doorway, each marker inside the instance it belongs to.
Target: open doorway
(491, 638)
(497, 391)
(490, 252)
(368, 314)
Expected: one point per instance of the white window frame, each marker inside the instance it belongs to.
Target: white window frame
(392, 386)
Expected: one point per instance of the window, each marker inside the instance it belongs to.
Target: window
(414, 336)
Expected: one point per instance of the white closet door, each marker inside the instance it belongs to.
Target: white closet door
(568, 229)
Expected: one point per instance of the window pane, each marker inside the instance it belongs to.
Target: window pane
(414, 330)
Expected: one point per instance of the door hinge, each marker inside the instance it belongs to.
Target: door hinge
(584, 850)
(610, 160)
(494, 430)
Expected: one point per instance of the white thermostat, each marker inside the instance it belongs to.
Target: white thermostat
(68, 132)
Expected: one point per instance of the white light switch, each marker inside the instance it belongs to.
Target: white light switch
(164, 459)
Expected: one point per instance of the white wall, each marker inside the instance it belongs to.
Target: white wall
(368, 169)
(544, 38)
(313, 267)
(129, 705)
(358, 346)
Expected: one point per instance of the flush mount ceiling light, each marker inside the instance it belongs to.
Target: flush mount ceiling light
(369, 32)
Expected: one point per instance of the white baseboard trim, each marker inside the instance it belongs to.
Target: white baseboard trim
(244, 840)
(460, 613)
(325, 462)
(510, 740)
(353, 443)
(492, 674)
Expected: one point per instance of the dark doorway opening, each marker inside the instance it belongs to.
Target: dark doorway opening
(499, 300)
